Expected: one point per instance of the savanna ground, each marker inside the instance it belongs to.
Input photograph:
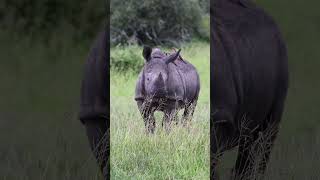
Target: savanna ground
(181, 154)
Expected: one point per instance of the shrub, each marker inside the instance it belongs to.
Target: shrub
(205, 6)
(154, 22)
(203, 30)
(126, 59)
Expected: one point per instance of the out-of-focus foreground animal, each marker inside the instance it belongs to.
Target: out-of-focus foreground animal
(94, 102)
(249, 75)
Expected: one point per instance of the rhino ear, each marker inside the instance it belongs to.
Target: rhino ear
(147, 52)
(172, 57)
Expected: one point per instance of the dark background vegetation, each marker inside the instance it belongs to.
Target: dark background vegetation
(43, 46)
(44, 43)
(156, 22)
(301, 29)
(45, 18)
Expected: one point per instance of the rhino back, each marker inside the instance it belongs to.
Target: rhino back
(250, 65)
(184, 81)
(139, 91)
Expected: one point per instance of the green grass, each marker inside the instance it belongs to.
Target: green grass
(182, 154)
(40, 134)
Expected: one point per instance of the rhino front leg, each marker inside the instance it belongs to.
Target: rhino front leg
(147, 114)
(150, 122)
(98, 139)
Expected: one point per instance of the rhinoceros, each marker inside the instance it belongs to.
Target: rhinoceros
(249, 75)
(94, 102)
(166, 83)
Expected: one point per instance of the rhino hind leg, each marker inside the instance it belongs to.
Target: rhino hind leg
(267, 139)
(188, 112)
(222, 137)
(254, 153)
(149, 120)
(150, 123)
(98, 139)
(255, 149)
(175, 117)
(269, 134)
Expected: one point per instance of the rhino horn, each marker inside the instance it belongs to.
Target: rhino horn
(160, 80)
(172, 57)
(160, 89)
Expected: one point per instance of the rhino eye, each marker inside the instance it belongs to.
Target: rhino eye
(148, 79)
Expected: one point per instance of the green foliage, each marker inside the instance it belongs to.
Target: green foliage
(205, 6)
(154, 21)
(204, 28)
(126, 59)
(150, 22)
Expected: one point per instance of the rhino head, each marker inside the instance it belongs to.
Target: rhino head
(156, 71)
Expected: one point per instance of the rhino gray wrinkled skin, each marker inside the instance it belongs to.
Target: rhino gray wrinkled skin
(166, 83)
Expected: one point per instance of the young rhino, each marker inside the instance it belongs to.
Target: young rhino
(166, 83)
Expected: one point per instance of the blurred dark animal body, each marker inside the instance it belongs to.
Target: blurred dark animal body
(249, 84)
(94, 102)
(166, 83)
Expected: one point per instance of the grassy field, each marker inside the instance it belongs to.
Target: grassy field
(40, 134)
(182, 154)
(41, 137)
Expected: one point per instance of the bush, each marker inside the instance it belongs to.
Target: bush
(126, 59)
(154, 22)
(205, 6)
(204, 28)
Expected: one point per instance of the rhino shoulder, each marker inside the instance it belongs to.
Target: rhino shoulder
(139, 91)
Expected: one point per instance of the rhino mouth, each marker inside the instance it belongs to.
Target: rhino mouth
(159, 95)
(158, 98)
(165, 98)
(160, 103)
